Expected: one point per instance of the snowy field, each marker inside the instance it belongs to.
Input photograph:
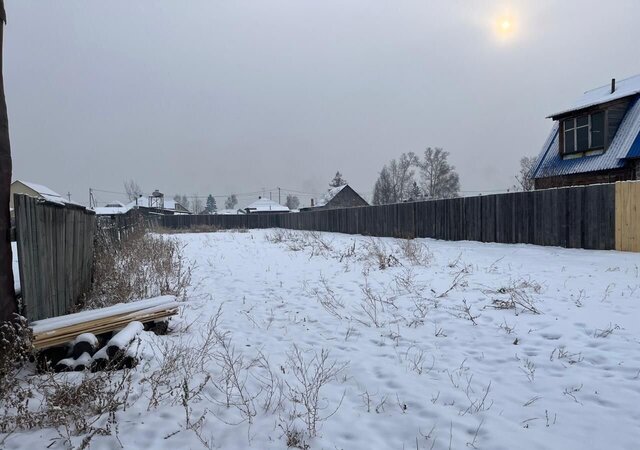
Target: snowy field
(428, 344)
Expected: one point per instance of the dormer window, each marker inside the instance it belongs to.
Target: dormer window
(583, 134)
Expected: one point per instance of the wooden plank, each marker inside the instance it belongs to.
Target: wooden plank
(575, 213)
(627, 216)
(488, 213)
(472, 218)
(600, 215)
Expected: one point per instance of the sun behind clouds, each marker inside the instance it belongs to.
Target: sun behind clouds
(505, 27)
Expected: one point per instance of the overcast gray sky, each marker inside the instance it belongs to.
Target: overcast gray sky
(210, 96)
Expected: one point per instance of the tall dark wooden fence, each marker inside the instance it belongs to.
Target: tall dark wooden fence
(55, 249)
(577, 217)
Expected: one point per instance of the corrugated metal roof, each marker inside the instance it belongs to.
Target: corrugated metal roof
(550, 162)
(624, 88)
(635, 148)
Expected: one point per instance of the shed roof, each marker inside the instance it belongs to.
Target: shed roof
(264, 204)
(46, 193)
(330, 195)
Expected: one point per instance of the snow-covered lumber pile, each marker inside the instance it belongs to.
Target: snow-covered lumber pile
(60, 330)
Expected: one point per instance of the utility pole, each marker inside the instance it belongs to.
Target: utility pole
(69, 196)
(279, 200)
(90, 198)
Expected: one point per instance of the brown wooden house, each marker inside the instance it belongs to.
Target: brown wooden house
(597, 140)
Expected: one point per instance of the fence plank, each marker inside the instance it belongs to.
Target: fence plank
(628, 216)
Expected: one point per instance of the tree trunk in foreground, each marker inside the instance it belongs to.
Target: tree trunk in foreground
(7, 293)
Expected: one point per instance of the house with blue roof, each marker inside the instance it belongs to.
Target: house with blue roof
(596, 140)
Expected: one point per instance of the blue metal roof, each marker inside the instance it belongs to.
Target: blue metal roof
(624, 144)
(634, 152)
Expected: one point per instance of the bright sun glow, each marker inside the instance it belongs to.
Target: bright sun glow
(505, 27)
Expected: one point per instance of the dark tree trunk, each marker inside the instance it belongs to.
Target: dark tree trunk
(7, 293)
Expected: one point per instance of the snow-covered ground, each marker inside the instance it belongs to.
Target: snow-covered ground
(428, 352)
(16, 268)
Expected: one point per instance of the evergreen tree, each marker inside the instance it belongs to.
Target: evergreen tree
(337, 181)
(211, 207)
(415, 193)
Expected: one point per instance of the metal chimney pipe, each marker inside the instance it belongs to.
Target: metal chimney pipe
(613, 85)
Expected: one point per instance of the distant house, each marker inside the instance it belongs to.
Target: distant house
(265, 206)
(339, 197)
(111, 208)
(169, 205)
(35, 190)
(597, 140)
(229, 212)
(153, 204)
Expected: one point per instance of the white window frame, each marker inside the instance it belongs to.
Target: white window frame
(574, 130)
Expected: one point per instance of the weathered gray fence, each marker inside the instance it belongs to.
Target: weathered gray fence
(55, 249)
(578, 217)
(117, 227)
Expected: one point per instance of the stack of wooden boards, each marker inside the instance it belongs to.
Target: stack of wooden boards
(63, 329)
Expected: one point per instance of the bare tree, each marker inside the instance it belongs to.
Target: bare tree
(524, 178)
(231, 201)
(337, 180)
(292, 201)
(396, 180)
(439, 178)
(183, 200)
(133, 189)
(7, 292)
(197, 205)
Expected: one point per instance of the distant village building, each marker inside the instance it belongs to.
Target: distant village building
(338, 197)
(36, 191)
(597, 140)
(229, 212)
(265, 206)
(153, 204)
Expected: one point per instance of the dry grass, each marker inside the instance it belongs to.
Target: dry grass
(198, 229)
(516, 295)
(140, 265)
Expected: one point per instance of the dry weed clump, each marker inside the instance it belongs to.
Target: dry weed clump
(416, 253)
(15, 350)
(137, 265)
(378, 255)
(516, 295)
(78, 404)
(296, 241)
(311, 374)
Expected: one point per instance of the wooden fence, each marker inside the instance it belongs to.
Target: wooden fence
(603, 216)
(117, 227)
(55, 249)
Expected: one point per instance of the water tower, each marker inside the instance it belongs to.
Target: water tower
(156, 200)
